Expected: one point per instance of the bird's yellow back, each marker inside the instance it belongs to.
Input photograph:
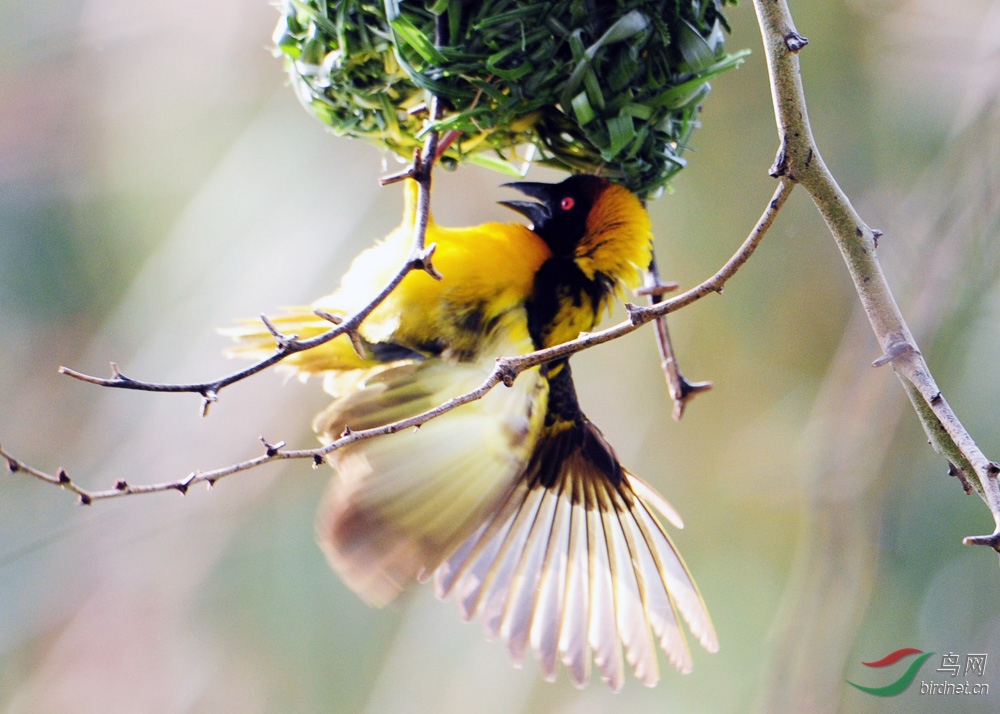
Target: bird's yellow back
(488, 270)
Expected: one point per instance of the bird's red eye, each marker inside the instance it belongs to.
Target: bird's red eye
(567, 203)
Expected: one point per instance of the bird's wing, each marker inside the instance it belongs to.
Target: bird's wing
(401, 503)
(576, 563)
(255, 342)
(369, 273)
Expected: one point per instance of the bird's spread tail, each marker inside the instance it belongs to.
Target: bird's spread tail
(576, 564)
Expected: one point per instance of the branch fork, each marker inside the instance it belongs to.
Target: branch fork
(505, 371)
(799, 161)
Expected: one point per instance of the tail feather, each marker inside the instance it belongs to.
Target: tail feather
(675, 578)
(574, 645)
(515, 622)
(552, 587)
(576, 563)
(633, 618)
(603, 632)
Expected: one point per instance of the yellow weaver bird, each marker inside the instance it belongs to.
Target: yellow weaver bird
(515, 504)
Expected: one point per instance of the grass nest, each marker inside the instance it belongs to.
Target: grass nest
(612, 87)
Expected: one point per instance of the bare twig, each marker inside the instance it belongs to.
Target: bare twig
(681, 390)
(272, 452)
(799, 160)
(505, 371)
(420, 259)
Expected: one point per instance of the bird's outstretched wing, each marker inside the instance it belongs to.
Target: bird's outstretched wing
(401, 503)
(576, 563)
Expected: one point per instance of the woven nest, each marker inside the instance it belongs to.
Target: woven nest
(598, 86)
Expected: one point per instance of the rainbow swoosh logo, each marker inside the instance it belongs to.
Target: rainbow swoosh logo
(904, 681)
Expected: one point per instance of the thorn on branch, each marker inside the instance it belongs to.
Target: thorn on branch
(182, 486)
(329, 317)
(992, 540)
(409, 172)
(62, 477)
(271, 449)
(84, 500)
(962, 478)
(208, 397)
(357, 344)
(876, 234)
(117, 379)
(993, 470)
(636, 314)
(317, 461)
(423, 260)
(506, 373)
(282, 340)
(658, 289)
(894, 351)
(780, 166)
(121, 485)
(686, 391)
(795, 42)
(13, 466)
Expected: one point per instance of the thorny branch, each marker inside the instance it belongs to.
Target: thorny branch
(681, 390)
(420, 259)
(506, 371)
(799, 160)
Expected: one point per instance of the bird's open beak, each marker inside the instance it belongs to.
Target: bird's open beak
(537, 213)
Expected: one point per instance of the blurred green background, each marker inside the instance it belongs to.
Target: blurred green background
(157, 180)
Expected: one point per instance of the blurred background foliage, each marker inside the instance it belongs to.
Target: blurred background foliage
(157, 180)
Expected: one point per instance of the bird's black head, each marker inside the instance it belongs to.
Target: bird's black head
(561, 216)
